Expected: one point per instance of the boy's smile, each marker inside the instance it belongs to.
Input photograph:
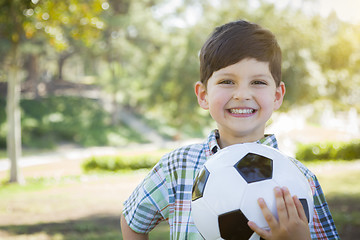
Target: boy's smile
(242, 112)
(241, 98)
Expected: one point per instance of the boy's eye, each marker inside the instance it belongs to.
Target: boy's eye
(227, 81)
(259, 82)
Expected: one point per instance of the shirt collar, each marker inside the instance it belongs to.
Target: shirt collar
(212, 142)
(268, 140)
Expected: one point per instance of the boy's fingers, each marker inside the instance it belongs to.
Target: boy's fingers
(289, 202)
(261, 232)
(269, 217)
(280, 205)
(300, 209)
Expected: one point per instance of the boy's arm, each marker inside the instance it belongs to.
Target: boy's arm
(292, 223)
(128, 233)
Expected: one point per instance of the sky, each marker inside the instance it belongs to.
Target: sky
(346, 10)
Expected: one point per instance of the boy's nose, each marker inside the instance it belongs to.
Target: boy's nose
(242, 94)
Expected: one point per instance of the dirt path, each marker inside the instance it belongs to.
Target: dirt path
(70, 200)
(77, 197)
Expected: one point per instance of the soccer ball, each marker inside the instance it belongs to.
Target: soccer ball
(226, 189)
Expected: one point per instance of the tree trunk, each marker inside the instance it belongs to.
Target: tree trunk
(13, 117)
(32, 79)
(114, 111)
(61, 62)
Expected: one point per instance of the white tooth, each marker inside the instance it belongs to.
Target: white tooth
(241, 111)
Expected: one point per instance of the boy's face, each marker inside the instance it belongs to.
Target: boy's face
(241, 98)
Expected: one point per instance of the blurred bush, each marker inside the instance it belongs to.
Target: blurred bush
(119, 162)
(329, 151)
(49, 121)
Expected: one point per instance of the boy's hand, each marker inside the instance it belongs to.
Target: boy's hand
(292, 223)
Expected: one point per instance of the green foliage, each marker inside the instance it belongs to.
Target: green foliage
(50, 120)
(120, 162)
(311, 67)
(64, 118)
(64, 22)
(140, 54)
(329, 151)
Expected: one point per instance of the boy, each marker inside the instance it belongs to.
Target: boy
(240, 84)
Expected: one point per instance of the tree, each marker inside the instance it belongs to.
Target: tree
(21, 20)
(12, 20)
(129, 43)
(313, 68)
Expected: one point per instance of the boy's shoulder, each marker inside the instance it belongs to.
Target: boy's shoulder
(192, 153)
(187, 153)
(181, 163)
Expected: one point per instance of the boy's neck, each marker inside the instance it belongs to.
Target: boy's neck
(225, 142)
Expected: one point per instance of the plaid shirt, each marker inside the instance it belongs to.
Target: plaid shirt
(165, 194)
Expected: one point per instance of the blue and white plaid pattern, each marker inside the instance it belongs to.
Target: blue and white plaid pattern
(165, 194)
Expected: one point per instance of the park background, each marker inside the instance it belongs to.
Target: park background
(102, 88)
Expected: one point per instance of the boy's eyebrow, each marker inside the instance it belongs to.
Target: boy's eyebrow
(262, 76)
(225, 74)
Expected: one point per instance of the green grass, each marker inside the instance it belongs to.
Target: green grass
(90, 228)
(87, 229)
(9, 190)
(340, 185)
(342, 193)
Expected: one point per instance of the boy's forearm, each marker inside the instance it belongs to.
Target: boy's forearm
(128, 233)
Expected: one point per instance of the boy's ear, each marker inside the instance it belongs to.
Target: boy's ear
(279, 95)
(201, 94)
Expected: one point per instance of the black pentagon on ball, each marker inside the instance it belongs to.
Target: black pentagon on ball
(306, 207)
(233, 225)
(199, 184)
(255, 168)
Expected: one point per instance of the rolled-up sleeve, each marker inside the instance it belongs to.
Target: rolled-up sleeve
(148, 204)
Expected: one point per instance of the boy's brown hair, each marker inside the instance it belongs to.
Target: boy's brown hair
(235, 41)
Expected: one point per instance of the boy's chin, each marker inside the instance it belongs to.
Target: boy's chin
(234, 136)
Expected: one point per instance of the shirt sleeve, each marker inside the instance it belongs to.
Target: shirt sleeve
(323, 224)
(148, 204)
